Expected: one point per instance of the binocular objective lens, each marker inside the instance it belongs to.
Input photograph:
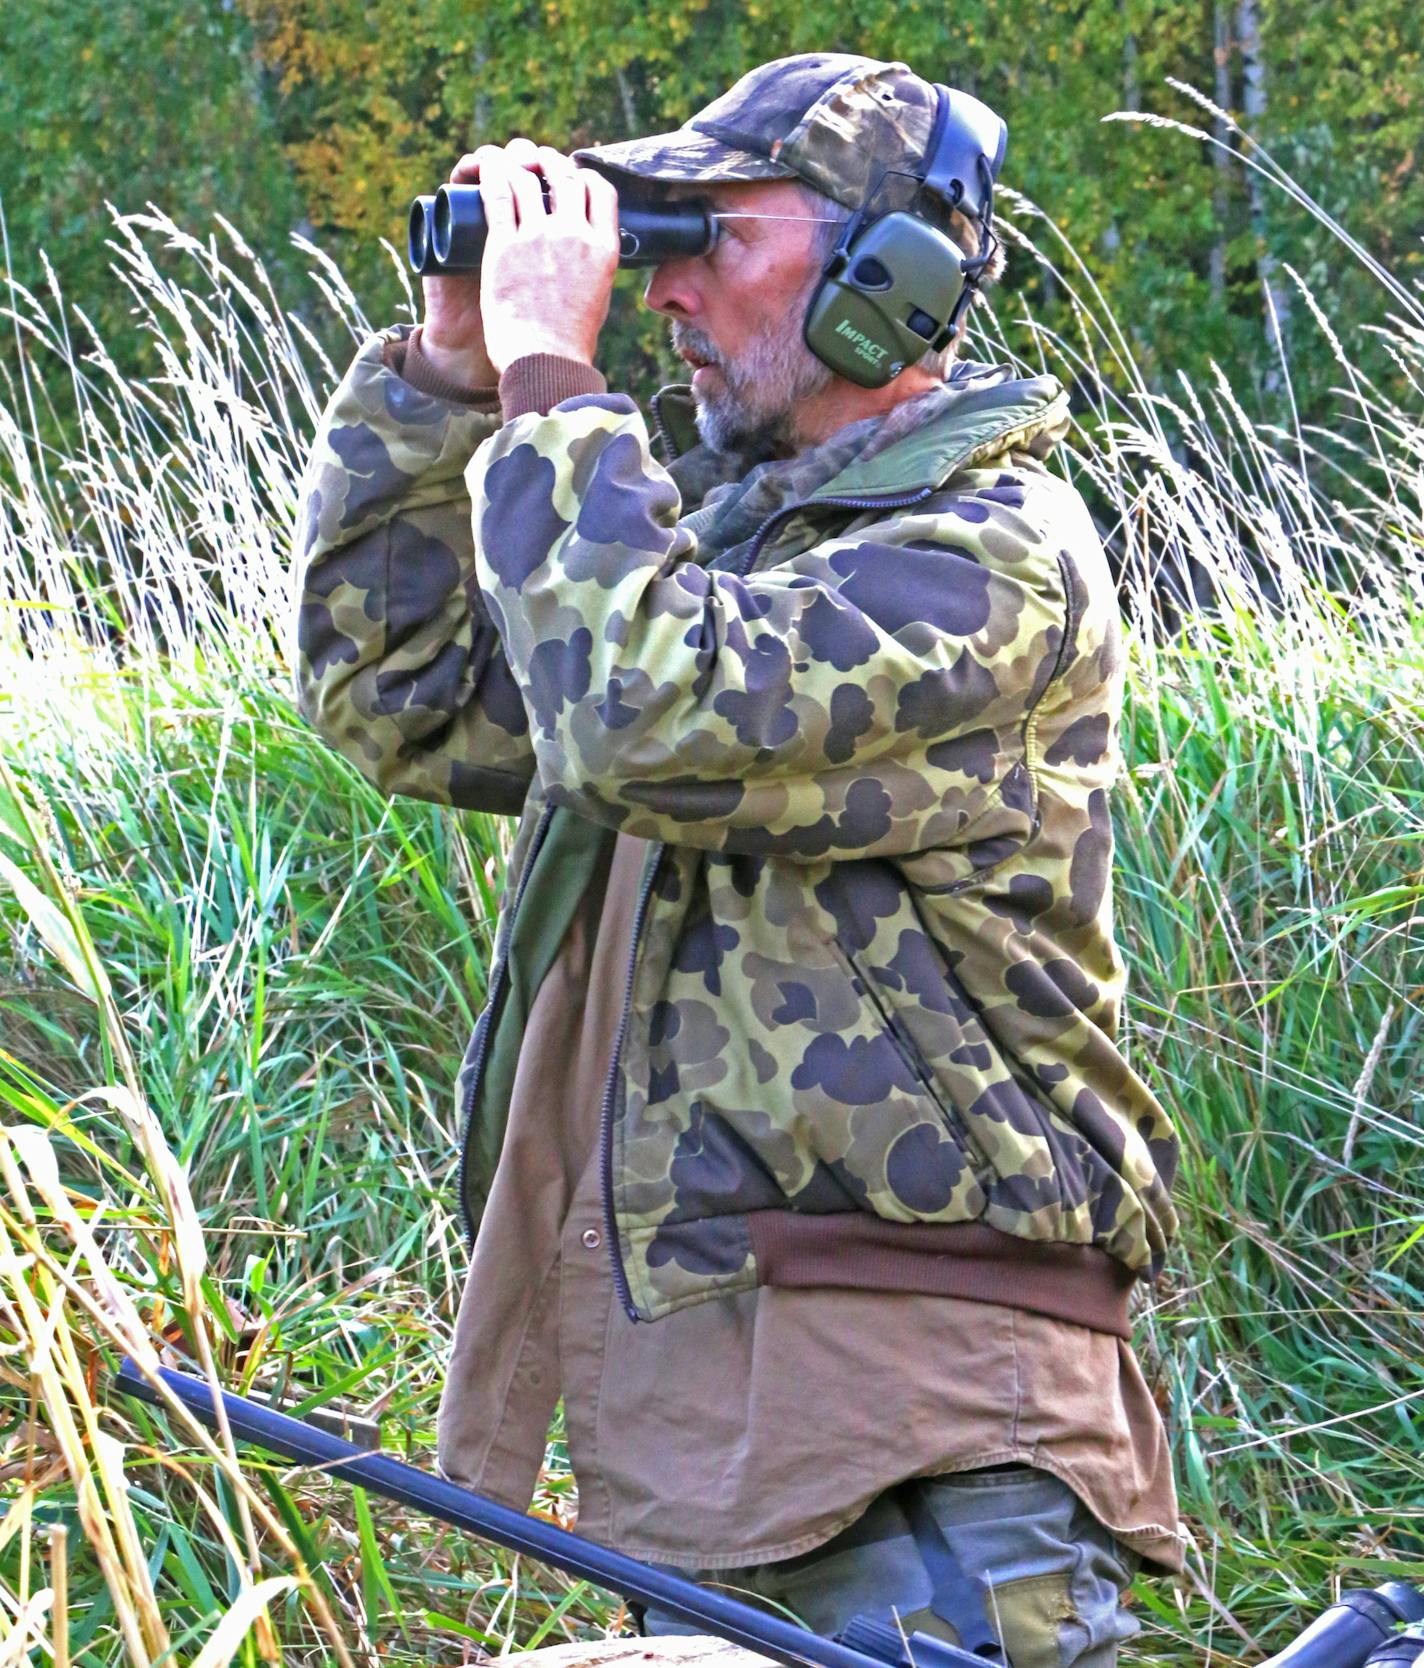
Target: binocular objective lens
(419, 234)
(440, 227)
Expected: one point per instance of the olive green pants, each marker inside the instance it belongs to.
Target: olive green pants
(1051, 1574)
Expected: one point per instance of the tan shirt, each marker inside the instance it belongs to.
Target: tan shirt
(756, 1426)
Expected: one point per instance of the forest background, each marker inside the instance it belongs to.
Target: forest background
(327, 116)
(236, 979)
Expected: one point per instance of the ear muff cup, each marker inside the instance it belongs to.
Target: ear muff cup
(896, 286)
(881, 306)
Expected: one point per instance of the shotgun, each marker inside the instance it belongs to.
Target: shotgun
(1344, 1636)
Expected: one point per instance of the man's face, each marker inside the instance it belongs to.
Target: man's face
(737, 314)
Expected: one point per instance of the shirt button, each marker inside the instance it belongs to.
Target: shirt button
(592, 1239)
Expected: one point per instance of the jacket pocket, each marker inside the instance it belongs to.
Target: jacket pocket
(999, 836)
(894, 1029)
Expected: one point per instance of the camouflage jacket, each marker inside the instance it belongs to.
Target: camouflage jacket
(862, 706)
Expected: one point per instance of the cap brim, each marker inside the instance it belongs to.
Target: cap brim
(684, 155)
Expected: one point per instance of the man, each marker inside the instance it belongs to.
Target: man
(803, 1159)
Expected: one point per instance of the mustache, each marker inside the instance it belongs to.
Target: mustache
(689, 339)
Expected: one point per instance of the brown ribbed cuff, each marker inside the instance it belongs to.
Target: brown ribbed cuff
(1076, 1283)
(538, 381)
(405, 358)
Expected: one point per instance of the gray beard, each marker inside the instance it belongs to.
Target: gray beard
(752, 413)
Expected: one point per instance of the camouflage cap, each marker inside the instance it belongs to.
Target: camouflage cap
(832, 119)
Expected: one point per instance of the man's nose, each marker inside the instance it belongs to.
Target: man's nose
(672, 288)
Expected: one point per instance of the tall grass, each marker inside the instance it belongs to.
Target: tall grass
(235, 984)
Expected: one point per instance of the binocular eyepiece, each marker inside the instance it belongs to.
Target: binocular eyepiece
(447, 231)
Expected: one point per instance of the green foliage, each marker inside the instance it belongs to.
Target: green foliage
(332, 114)
(132, 100)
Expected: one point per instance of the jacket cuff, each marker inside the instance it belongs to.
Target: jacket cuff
(404, 357)
(538, 382)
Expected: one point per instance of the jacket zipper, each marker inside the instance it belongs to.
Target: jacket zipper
(605, 1128)
(889, 1022)
(482, 1029)
(660, 433)
(759, 537)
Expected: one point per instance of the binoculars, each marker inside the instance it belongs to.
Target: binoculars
(447, 231)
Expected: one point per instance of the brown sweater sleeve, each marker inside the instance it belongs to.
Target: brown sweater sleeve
(405, 358)
(538, 381)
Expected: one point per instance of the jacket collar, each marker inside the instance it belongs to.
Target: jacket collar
(979, 411)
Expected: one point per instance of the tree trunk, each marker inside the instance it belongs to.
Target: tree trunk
(1274, 293)
(480, 104)
(1131, 81)
(1131, 100)
(1220, 159)
(625, 98)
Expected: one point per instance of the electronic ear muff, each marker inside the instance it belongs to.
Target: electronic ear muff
(895, 286)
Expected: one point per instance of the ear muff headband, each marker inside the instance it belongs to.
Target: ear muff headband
(896, 286)
(964, 152)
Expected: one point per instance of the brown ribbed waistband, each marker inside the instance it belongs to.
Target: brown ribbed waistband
(1077, 1283)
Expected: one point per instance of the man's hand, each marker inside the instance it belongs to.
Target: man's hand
(547, 273)
(452, 335)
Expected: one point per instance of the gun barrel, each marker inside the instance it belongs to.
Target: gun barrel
(1345, 1635)
(462, 1508)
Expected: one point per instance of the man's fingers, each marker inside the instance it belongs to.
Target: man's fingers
(521, 182)
(510, 191)
(566, 198)
(602, 204)
(523, 152)
(467, 170)
(497, 183)
(528, 194)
